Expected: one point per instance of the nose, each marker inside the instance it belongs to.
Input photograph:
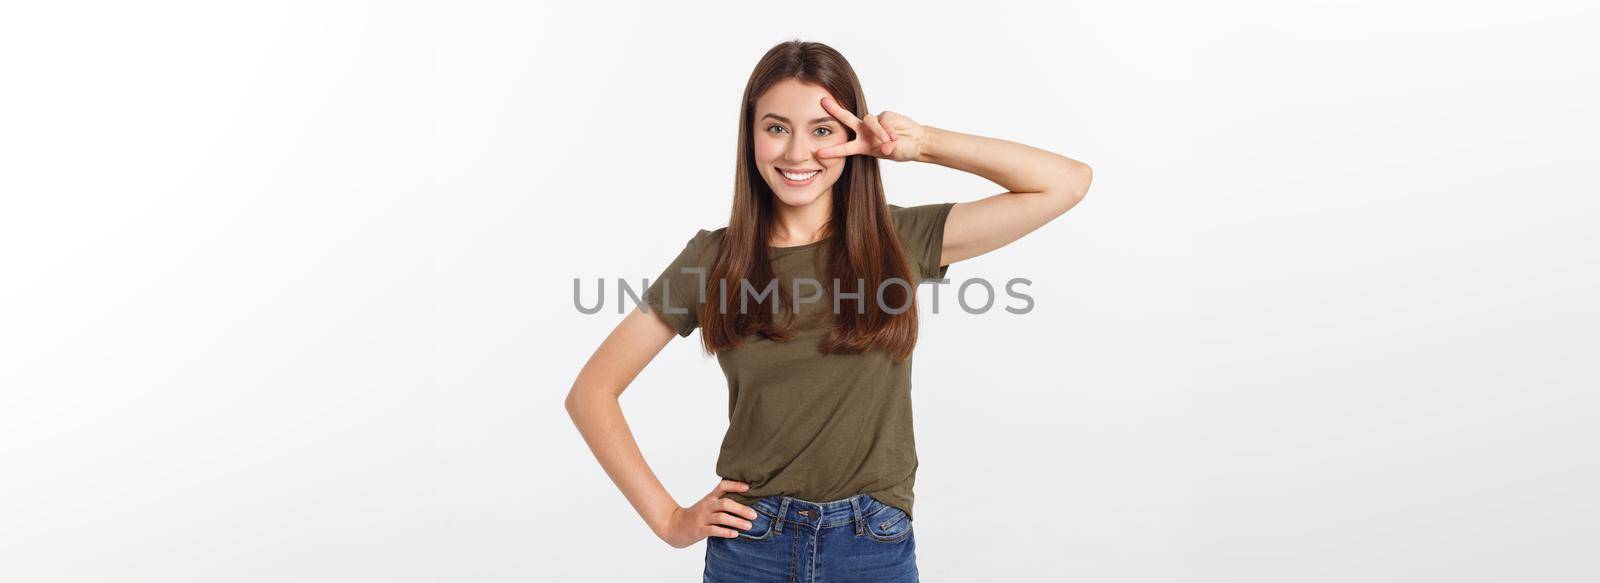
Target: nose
(799, 151)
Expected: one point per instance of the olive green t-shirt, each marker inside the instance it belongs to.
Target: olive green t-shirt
(814, 426)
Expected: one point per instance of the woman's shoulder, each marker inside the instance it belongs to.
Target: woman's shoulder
(919, 211)
(704, 244)
(921, 231)
(711, 237)
(918, 220)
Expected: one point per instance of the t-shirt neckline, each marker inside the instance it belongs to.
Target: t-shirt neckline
(790, 249)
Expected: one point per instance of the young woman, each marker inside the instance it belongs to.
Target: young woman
(807, 297)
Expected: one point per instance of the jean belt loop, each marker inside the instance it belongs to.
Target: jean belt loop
(783, 511)
(855, 511)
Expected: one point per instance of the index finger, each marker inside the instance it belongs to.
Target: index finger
(845, 116)
(727, 485)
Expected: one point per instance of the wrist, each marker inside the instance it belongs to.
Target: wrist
(928, 150)
(660, 519)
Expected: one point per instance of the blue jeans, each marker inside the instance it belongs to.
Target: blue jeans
(792, 540)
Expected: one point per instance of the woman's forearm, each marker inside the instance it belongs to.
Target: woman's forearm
(1016, 167)
(600, 421)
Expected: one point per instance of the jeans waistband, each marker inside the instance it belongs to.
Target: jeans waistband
(852, 510)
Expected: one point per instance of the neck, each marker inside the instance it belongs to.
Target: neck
(800, 225)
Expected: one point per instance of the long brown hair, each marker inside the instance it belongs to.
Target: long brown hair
(866, 248)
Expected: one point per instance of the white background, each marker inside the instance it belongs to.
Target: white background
(287, 287)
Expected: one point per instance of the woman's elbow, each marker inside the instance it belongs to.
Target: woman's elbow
(575, 400)
(1070, 187)
(1079, 175)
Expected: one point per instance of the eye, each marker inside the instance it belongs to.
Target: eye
(775, 126)
(825, 129)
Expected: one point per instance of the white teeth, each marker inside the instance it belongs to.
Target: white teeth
(799, 177)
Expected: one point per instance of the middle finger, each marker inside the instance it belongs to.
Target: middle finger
(726, 519)
(844, 115)
(738, 509)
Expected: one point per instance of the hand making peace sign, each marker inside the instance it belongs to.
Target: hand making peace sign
(886, 135)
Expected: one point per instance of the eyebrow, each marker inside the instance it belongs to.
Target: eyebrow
(786, 120)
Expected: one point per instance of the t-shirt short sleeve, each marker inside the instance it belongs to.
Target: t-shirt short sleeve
(921, 230)
(677, 293)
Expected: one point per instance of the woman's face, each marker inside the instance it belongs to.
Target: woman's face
(790, 126)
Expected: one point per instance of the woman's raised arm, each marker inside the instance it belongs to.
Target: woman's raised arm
(1041, 185)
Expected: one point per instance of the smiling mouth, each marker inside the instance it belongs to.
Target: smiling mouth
(798, 176)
